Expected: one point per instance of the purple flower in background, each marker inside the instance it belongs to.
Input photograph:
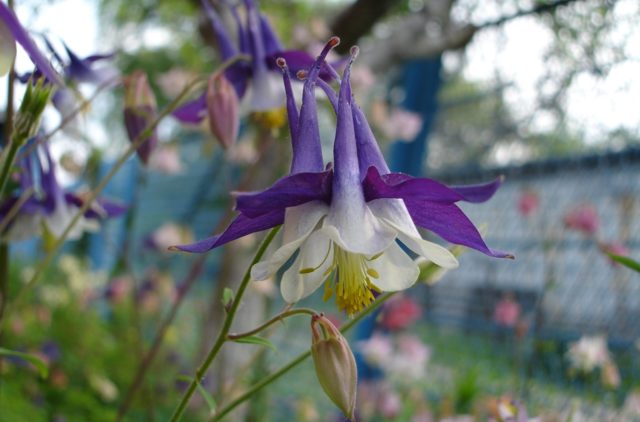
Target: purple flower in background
(88, 70)
(50, 207)
(257, 79)
(12, 31)
(351, 224)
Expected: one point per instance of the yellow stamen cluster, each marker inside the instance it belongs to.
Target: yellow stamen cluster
(271, 119)
(349, 277)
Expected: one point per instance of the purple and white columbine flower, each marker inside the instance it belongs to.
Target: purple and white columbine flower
(351, 224)
(50, 207)
(257, 80)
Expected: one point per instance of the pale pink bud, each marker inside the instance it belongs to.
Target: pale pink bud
(223, 108)
(335, 364)
(583, 219)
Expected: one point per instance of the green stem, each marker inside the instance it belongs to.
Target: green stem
(272, 321)
(7, 164)
(4, 276)
(224, 331)
(295, 362)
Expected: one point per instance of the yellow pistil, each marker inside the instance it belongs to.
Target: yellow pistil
(349, 278)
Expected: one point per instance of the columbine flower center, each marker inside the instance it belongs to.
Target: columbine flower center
(349, 277)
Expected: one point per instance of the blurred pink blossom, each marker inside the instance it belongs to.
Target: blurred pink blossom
(377, 349)
(409, 361)
(400, 312)
(402, 124)
(507, 311)
(528, 203)
(389, 404)
(583, 219)
(362, 78)
(166, 159)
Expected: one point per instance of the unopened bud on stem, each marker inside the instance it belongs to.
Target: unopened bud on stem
(223, 108)
(335, 364)
(140, 111)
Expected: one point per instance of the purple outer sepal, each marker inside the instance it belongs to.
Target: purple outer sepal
(239, 227)
(287, 192)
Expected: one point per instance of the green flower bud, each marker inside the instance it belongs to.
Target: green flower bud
(28, 117)
(335, 364)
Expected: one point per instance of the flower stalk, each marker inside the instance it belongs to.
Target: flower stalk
(224, 331)
(221, 413)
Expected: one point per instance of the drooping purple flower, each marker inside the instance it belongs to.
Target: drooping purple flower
(140, 110)
(50, 207)
(257, 78)
(349, 223)
(12, 31)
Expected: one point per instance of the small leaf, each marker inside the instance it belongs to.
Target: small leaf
(626, 261)
(42, 367)
(260, 341)
(205, 394)
(227, 297)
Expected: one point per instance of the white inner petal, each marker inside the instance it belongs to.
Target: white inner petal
(396, 270)
(439, 255)
(299, 220)
(394, 210)
(266, 91)
(353, 226)
(299, 223)
(314, 260)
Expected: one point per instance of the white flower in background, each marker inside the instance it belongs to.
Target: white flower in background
(588, 353)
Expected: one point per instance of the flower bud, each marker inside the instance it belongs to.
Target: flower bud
(223, 109)
(335, 364)
(28, 117)
(140, 111)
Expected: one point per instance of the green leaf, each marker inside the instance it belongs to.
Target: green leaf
(227, 297)
(626, 261)
(205, 394)
(42, 367)
(260, 341)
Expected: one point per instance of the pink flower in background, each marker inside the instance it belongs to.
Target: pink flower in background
(528, 203)
(377, 349)
(402, 124)
(400, 312)
(507, 311)
(583, 219)
(389, 404)
(166, 159)
(409, 360)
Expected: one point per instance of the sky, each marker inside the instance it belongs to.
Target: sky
(594, 105)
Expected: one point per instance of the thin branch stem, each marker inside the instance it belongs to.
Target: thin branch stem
(13, 211)
(295, 361)
(278, 317)
(224, 331)
(185, 286)
(69, 117)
